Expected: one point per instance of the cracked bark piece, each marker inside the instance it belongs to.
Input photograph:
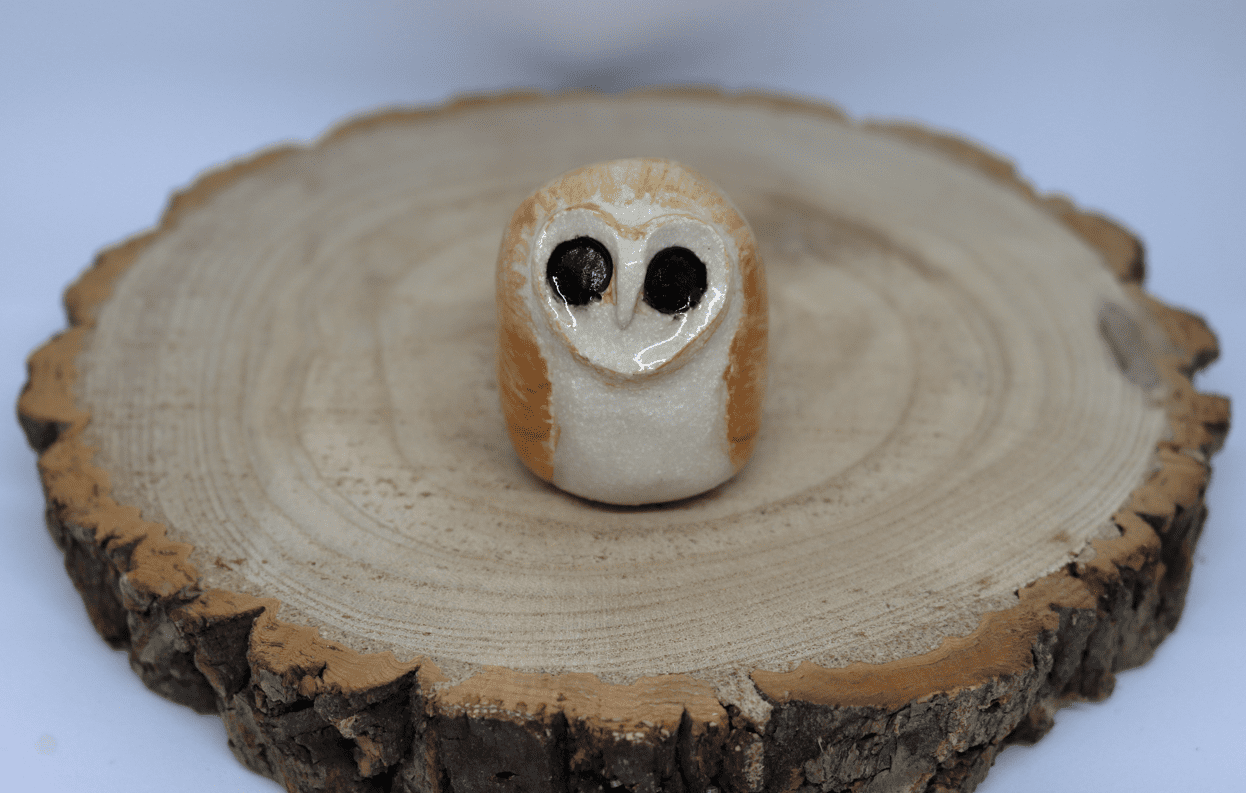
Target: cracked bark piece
(273, 456)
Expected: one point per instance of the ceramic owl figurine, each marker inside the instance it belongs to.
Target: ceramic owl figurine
(632, 322)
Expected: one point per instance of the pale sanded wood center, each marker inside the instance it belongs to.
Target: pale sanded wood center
(298, 379)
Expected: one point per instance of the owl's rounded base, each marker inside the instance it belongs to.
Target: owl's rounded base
(598, 487)
(272, 453)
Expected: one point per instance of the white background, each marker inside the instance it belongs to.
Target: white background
(1135, 108)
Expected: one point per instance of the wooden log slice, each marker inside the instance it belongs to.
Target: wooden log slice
(274, 456)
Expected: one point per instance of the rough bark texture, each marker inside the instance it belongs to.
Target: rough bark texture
(314, 715)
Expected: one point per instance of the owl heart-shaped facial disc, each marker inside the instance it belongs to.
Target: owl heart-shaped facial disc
(632, 322)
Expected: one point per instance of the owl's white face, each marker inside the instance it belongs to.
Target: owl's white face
(632, 287)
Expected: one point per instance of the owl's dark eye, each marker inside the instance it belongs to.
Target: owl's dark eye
(579, 270)
(675, 280)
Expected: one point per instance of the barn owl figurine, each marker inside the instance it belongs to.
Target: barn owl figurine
(632, 321)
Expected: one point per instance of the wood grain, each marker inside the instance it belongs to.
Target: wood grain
(274, 455)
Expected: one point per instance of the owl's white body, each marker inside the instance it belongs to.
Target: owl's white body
(606, 396)
(661, 439)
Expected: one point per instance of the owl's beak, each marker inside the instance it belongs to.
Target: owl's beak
(627, 285)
